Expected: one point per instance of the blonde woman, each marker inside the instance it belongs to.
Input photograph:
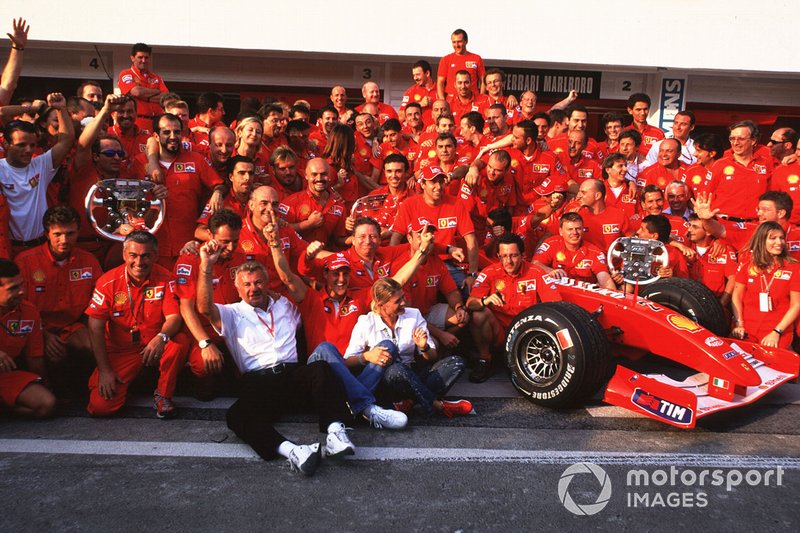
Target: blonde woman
(249, 133)
(396, 337)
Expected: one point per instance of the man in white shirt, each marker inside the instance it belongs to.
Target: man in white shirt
(24, 178)
(682, 126)
(260, 334)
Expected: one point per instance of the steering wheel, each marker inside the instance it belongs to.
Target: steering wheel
(115, 207)
(638, 259)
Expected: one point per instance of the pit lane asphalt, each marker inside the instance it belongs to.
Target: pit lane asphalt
(495, 471)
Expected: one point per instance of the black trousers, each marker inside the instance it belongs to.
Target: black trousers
(265, 396)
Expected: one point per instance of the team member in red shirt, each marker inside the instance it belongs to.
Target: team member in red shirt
(372, 95)
(464, 99)
(578, 167)
(142, 84)
(206, 355)
(338, 99)
(786, 178)
(429, 282)
(495, 80)
(210, 112)
(448, 215)
(285, 177)
(20, 333)
(773, 206)
(394, 142)
(316, 213)
(739, 179)
(667, 168)
(603, 224)
(189, 180)
(395, 174)
(618, 188)
(414, 126)
(612, 127)
(708, 148)
(639, 109)
(460, 59)
(440, 107)
(240, 186)
(126, 128)
(578, 117)
(423, 92)
(252, 243)
(445, 124)
(496, 123)
(652, 203)
(495, 188)
(328, 118)
(657, 227)
(566, 255)
(59, 280)
(717, 272)
(133, 317)
(501, 291)
(766, 297)
(274, 121)
(194, 141)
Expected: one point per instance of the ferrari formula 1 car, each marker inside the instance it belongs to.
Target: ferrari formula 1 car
(562, 353)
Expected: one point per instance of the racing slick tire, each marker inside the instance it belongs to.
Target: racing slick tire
(557, 354)
(690, 298)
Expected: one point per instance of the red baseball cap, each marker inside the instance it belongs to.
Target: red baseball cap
(336, 262)
(550, 185)
(419, 224)
(431, 172)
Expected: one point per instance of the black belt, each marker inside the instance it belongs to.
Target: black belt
(736, 219)
(280, 368)
(33, 242)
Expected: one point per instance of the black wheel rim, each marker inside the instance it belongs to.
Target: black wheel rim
(539, 357)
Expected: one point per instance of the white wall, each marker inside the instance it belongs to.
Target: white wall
(682, 34)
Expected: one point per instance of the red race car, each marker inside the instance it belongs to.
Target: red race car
(562, 353)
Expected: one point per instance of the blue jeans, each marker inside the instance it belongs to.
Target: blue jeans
(358, 389)
(426, 382)
(458, 276)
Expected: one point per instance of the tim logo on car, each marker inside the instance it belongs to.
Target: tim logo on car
(662, 408)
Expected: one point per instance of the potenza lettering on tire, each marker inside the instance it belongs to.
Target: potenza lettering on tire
(557, 354)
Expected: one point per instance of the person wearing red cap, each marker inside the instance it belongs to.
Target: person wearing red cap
(502, 290)
(330, 314)
(449, 216)
(566, 255)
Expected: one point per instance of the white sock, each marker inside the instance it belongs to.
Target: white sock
(335, 426)
(286, 447)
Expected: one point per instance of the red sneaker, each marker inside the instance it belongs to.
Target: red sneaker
(451, 408)
(164, 406)
(404, 406)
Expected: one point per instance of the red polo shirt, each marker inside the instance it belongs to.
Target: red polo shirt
(736, 187)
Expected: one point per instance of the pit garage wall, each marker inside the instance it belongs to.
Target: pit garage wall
(304, 75)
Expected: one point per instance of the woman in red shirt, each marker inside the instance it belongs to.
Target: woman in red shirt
(766, 297)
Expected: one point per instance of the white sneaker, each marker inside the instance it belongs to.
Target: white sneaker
(385, 418)
(338, 444)
(305, 458)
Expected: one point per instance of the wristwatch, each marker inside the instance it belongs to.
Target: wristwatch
(203, 344)
(164, 337)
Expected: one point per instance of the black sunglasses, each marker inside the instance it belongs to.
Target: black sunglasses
(112, 153)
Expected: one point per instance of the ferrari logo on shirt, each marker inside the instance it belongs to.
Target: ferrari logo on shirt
(157, 293)
(184, 167)
(761, 169)
(432, 281)
(539, 167)
(120, 298)
(38, 276)
(610, 229)
(783, 274)
(383, 271)
(448, 222)
(585, 173)
(75, 274)
(20, 327)
(34, 181)
(470, 64)
(584, 264)
(527, 285)
(347, 309)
